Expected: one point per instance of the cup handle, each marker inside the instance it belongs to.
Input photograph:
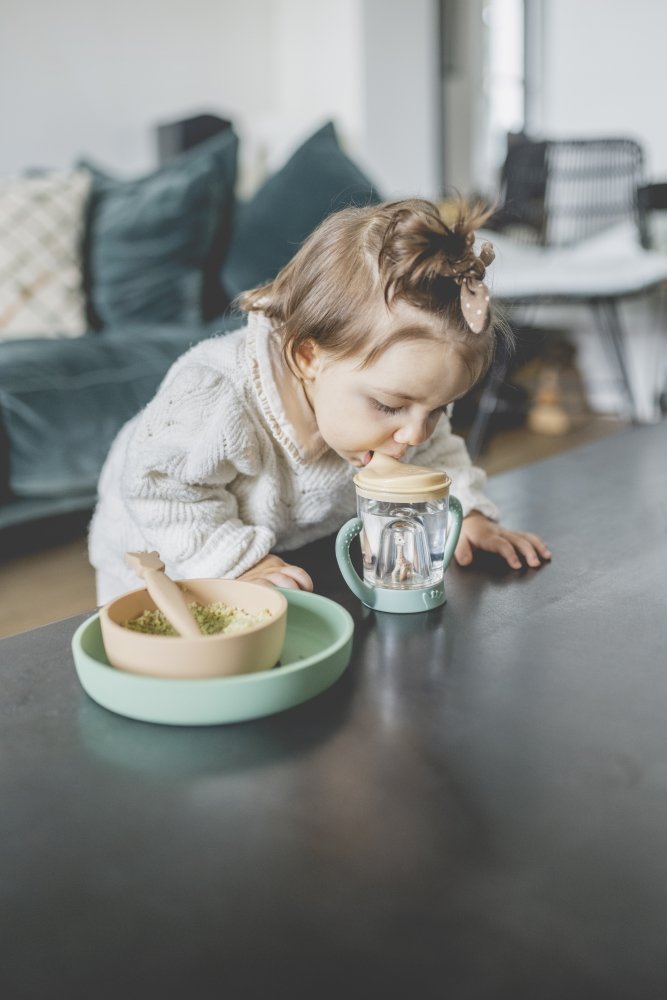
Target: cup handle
(454, 523)
(344, 539)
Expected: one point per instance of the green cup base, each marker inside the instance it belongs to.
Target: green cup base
(405, 601)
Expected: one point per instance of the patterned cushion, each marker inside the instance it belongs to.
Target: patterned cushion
(41, 232)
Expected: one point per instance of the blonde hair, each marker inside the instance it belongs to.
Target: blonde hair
(399, 251)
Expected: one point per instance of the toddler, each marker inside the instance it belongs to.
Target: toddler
(360, 344)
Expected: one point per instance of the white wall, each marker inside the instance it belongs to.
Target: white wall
(402, 127)
(372, 66)
(464, 104)
(79, 77)
(318, 50)
(603, 72)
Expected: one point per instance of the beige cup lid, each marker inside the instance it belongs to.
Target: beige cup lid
(385, 478)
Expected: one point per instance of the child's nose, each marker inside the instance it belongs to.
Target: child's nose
(412, 433)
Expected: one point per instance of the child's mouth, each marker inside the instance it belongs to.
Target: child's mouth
(367, 457)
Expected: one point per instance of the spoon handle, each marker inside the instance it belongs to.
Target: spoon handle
(167, 595)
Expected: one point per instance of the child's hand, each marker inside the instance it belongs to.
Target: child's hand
(274, 571)
(478, 532)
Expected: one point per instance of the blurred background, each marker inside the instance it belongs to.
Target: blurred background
(426, 97)
(423, 92)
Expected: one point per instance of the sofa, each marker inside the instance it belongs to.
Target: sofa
(162, 259)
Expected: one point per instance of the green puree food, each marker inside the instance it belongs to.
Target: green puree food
(211, 618)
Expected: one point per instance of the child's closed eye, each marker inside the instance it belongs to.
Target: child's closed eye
(392, 410)
(383, 408)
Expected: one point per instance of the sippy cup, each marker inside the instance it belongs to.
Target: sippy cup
(409, 527)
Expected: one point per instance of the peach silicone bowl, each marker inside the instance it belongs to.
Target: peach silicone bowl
(253, 649)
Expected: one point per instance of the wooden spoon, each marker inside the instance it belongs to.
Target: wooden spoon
(168, 596)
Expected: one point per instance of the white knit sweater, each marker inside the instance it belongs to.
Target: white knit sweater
(226, 464)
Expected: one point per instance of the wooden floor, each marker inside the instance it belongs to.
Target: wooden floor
(45, 578)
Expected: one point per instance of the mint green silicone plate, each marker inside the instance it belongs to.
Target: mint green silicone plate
(316, 652)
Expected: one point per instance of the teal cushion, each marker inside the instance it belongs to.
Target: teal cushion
(318, 179)
(155, 243)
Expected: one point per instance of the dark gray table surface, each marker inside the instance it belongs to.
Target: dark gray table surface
(478, 808)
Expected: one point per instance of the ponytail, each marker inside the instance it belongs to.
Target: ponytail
(394, 251)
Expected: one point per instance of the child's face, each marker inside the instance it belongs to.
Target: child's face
(390, 405)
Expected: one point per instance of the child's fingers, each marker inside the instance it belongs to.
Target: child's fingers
(291, 577)
(299, 575)
(280, 580)
(504, 547)
(463, 552)
(509, 545)
(531, 547)
(527, 550)
(538, 543)
(273, 572)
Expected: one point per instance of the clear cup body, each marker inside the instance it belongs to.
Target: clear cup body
(403, 544)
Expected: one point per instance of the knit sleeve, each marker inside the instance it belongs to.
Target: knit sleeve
(447, 451)
(185, 454)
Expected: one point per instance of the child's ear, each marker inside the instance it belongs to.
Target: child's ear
(308, 359)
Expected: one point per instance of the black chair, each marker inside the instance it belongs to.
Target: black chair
(175, 137)
(557, 193)
(652, 200)
(523, 182)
